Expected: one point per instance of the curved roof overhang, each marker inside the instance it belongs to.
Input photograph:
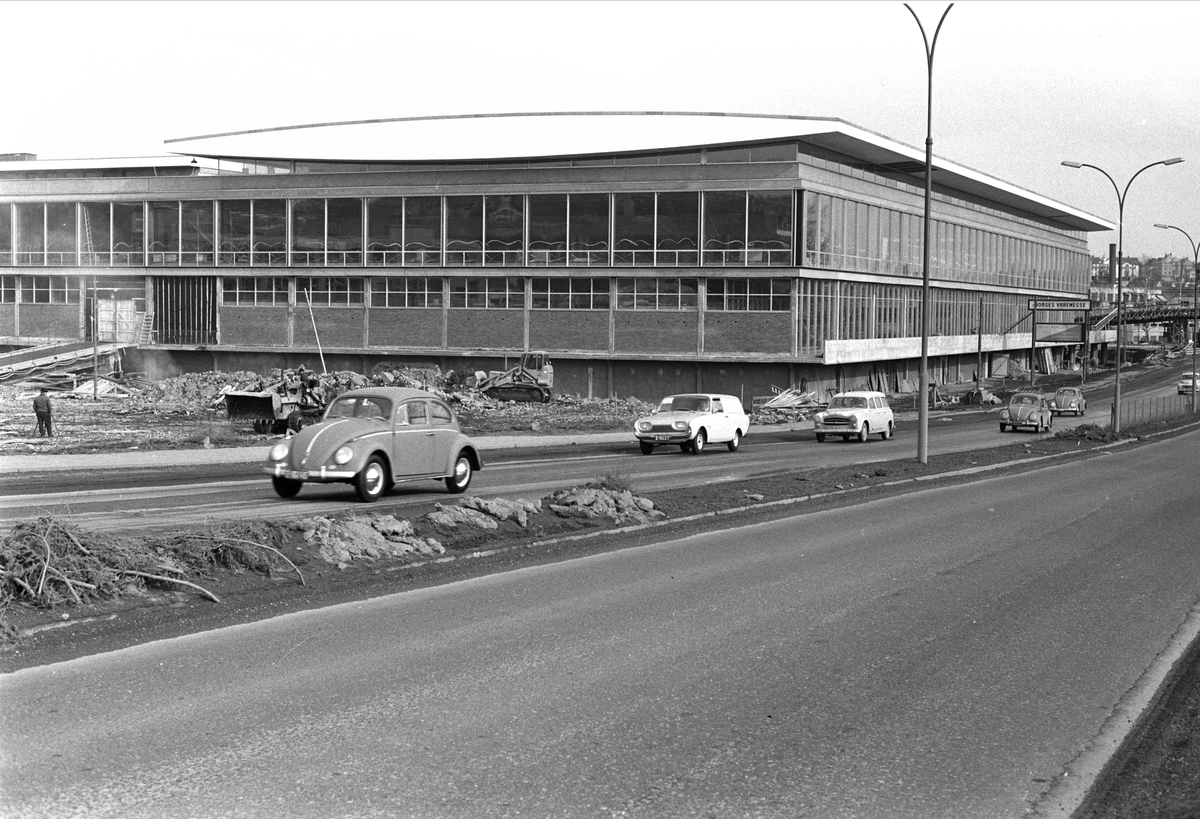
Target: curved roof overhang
(487, 138)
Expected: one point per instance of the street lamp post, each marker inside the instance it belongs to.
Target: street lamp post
(1195, 308)
(1116, 427)
(923, 401)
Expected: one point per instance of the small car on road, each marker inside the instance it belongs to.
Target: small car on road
(856, 414)
(1027, 409)
(692, 421)
(1068, 399)
(1188, 383)
(375, 438)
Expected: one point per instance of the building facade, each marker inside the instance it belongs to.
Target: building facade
(770, 251)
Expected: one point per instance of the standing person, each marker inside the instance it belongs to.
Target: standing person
(41, 409)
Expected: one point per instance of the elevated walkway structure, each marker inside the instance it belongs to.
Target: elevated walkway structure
(1144, 314)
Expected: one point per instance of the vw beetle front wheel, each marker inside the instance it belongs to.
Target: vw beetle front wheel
(371, 482)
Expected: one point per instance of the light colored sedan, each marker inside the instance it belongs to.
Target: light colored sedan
(1188, 383)
(375, 438)
(856, 415)
(692, 421)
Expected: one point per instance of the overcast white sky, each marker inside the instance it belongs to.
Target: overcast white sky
(1017, 86)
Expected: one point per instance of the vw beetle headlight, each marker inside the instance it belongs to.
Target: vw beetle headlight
(343, 455)
(1003, 413)
(643, 426)
(679, 425)
(279, 452)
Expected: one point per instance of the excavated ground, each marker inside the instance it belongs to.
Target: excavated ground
(1157, 773)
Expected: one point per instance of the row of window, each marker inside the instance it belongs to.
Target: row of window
(842, 234)
(39, 289)
(713, 228)
(509, 293)
(721, 228)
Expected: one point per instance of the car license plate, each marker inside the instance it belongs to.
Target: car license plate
(661, 437)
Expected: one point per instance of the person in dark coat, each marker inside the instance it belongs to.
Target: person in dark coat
(41, 409)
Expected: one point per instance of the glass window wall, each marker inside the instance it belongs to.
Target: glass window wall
(95, 247)
(31, 234)
(344, 232)
(724, 228)
(233, 217)
(547, 229)
(308, 232)
(423, 231)
(129, 232)
(633, 229)
(163, 231)
(6, 244)
(677, 229)
(504, 231)
(385, 230)
(769, 227)
(197, 239)
(588, 233)
(268, 235)
(464, 231)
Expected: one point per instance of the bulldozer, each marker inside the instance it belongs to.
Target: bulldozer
(290, 404)
(531, 380)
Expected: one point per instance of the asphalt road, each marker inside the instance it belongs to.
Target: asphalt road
(104, 497)
(948, 653)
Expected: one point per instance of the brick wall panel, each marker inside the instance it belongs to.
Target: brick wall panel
(655, 332)
(50, 321)
(747, 333)
(410, 327)
(338, 327)
(487, 329)
(254, 326)
(569, 330)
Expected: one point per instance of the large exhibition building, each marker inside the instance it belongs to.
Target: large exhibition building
(647, 253)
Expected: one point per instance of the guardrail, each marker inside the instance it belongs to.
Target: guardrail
(1147, 410)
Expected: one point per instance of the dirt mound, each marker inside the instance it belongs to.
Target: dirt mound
(50, 564)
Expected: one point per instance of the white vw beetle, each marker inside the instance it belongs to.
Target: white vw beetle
(693, 421)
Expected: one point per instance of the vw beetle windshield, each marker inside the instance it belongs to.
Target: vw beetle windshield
(370, 407)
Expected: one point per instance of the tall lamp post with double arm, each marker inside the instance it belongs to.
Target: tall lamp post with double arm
(1195, 307)
(1116, 425)
(923, 400)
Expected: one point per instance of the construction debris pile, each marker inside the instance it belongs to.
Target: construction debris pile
(786, 406)
(198, 393)
(50, 563)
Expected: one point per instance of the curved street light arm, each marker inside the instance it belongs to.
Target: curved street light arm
(1116, 426)
(1195, 305)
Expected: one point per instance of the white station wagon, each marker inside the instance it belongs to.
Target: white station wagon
(692, 421)
(856, 414)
